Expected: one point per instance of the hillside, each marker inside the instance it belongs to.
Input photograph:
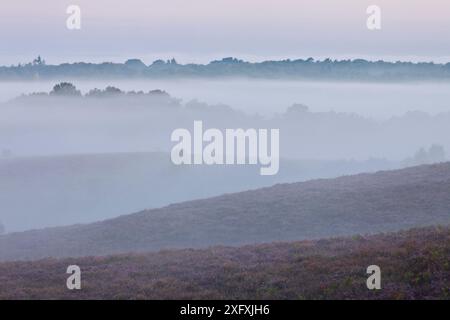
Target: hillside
(359, 204)
(414, 265)
(84, 188)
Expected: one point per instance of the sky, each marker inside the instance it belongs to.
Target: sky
(203, 30)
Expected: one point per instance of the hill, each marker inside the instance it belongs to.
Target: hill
(359, 204)
(414, 265)
(83, 188)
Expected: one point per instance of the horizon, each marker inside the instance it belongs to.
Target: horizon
(254, 60)
(200, 31)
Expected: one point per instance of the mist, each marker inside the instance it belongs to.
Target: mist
(267, 97)
(80, 159)
(328, 122)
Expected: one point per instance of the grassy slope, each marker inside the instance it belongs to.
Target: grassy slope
(415, 265)
(365, 203)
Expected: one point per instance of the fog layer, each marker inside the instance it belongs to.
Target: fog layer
(67, 158)
(266, 97)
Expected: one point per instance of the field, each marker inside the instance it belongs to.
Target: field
(414, 265)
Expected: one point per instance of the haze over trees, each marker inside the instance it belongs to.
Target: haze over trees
(111, 143)
(435, 154)
(134, 121)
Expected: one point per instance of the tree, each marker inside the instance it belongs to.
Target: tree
(297, 109)
(158, 62)
(65, 89)
(112, 90)
(135, 64)
(39, 61)
(421, 157)
(436, 153)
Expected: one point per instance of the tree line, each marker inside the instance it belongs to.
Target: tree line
(328, 69)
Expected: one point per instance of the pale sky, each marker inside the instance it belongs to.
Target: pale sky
(202, 30)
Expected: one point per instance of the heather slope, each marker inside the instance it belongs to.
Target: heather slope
(359, 204)
(414, 265)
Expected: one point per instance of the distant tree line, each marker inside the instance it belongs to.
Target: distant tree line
(357, 69)
(435, 154)
(67, 89)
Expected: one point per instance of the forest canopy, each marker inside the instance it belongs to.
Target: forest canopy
(327, 69)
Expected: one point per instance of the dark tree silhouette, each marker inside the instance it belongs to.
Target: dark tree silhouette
(135, 64)
(39, 61)
(65, 89)
(112, 90)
